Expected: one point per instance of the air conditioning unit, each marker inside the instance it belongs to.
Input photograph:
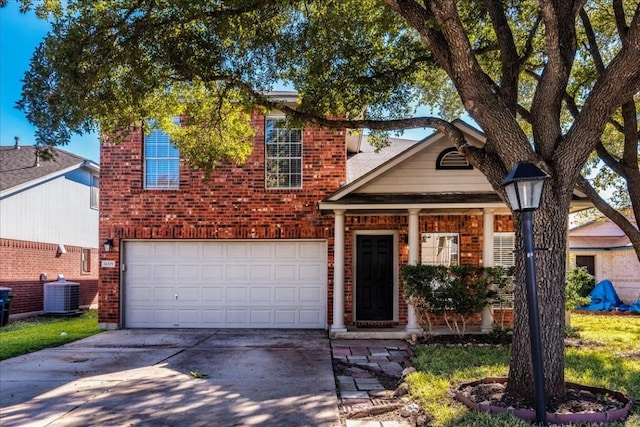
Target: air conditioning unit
(61, 297)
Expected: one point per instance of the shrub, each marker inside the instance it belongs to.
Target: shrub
(456, 292)
(578, 287)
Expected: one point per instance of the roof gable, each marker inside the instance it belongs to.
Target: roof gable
(371, 181)
(19, 169)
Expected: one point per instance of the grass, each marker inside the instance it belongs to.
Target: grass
(25, 336)
(610, 359)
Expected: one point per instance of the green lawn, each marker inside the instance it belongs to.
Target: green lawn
(611, 360)
(25, 336)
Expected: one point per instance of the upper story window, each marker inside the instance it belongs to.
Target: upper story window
(283, 155)
(95, 191)
(503, 245)
(452, 159)
(440, 249)
(161, 162)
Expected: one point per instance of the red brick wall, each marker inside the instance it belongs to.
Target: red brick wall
(22, 263)
(233, 205)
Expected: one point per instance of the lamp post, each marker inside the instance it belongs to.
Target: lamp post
(523, 186)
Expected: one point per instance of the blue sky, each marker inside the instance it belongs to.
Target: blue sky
(20, 34)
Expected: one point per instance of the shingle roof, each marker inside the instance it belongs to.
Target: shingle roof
(18, 165)
(367, 159)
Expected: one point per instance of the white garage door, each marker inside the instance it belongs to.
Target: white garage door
(225, 284)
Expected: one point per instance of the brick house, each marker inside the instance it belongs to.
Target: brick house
(287, 240)
(48, 225)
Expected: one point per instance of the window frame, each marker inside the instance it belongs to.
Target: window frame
(504, 249)
(272, 179)
(94, 197)
(591, 263)
(172, 159)
(437, 248)
(85, 260)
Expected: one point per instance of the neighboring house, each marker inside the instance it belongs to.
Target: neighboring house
(48, 225)
(310, 233)
(606, 252)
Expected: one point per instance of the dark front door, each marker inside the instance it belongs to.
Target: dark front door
(374, 277)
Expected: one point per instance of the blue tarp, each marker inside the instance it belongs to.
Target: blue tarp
(603, 298)
(634, 307)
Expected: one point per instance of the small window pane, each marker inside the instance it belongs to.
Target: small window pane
(440, 249)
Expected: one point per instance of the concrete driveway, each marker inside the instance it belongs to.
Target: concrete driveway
(143, 377)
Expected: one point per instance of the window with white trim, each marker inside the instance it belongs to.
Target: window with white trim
(95, 191)
(503, 245)
(283, 154)
(161, 162)
(440, 249)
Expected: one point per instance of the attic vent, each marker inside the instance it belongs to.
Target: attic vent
(452, 159)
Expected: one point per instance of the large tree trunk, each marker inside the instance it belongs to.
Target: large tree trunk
(550, 236)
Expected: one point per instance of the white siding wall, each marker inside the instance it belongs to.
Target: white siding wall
(57, 211)
(419, 175)
(621, 267)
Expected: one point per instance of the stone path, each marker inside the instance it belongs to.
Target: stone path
(367, 374)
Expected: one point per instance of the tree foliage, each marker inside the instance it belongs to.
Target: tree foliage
(554, 82)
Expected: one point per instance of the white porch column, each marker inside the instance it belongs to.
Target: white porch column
(414, 251)
(487, 261)
(338, 272)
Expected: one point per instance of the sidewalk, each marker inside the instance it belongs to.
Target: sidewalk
(368, 373)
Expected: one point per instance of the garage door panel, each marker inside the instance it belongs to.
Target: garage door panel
(237, 317)
(236, 272)
(190, 250)
(165, 250)
(285, 272)
(310, 273)
(213, 251)
(261, 318)
(310, 295)
(262, 272)
(221, 284)
(164, 294)
(212, 294)
(261, 250)
(238, 250)
(237, 295)
(189, 272)
(261, 295)
(213, 272)
(189, 294)
(164, 273)
(310, 317)
(286, 251)
(285, 295)
(189, 318)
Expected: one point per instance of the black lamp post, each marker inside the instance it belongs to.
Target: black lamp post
(523, 186)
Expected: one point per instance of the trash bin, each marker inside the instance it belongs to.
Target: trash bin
(6, 297)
